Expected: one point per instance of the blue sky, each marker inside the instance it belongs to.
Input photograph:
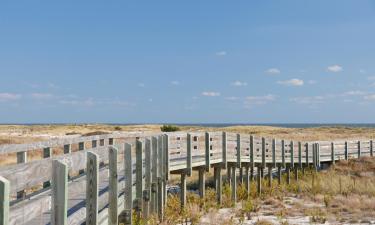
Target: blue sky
(187, 61)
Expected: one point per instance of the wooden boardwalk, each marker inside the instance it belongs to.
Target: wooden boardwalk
(97, 178)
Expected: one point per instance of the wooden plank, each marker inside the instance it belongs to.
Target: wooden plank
(139, 176)
(183, 190)
(273, 153)
(207, 152)
(291, 154)
(238, 148)
(59, 193)
(252, 160)
(30, 174)
(299, 154)
(202, 182)
(189, 159)
(224, 150)
(128, 184)
(4, 201)
(263, 152)
(234, 185)
(113, 187)
(21, 158)
(154, 172)
(359, 149)
(147, 188)
(283, 153)
(92, 188)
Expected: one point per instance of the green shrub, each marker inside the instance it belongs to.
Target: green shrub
(169, 128)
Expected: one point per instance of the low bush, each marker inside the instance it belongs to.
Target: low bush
(169, 128)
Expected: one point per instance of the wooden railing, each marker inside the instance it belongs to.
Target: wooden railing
(121, 173)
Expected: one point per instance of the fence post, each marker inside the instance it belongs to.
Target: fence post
(346, 151)
(208, 148)
(92, 188)
(4, 201)
(21, 158)
(113, 187)
(252, 155)
(47, 153)
(371, 149)
(238, 148)
(128, 184)
(189, 156)
(273, 152)
(59, 193)
(218, 184)
(291, 154)
(300, 155)
(139, 177)
(283, 153)
(183, 190)
(259, 180)
(224, 149)
(247, 180)
(81, 147)
(333, 155)
(147, 189)
(359, 149)
(318, 154)
(154, 172)
(234, 184)
(263, 152)
(202, 181)
(307, 154)
(160, 179)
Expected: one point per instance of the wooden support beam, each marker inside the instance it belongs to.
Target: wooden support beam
(229, 175)
(207, 141)
(183, 191)
(81, 147)
(238, 148)
(273, 152)
(189, 159)
(166, 157)
(359, 149)
(307, 155)
(269, 176)
(318, 154)
(291, 154)
(92, 188)
(279, 175)
(371, 148)
(333, 155)
(300, 155)
(113, 187)
(59, 193)
(346, 150)
(251, 173)
(240, 179)
(160, 180)
(224, 150)
(283, 164)
(259, 181)
(234, 185)
(202, 182)
(154, 173)
(296, 173)
(288, 174)
(218, 184)
(247, 180)
(252, 163)
(128, 185)
(147, 187)
(263, 152)
(21, 158)
(139, 177)
(47, 153)
(4, 201)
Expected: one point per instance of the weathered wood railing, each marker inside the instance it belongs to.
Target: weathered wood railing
(130, 172)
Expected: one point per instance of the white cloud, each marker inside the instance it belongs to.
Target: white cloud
(221, 53)
(239, 83)
(42, 96)
(308, 100)
(273, 71)
(353, 93)
(369, 97)
(335, 68)
(5, 97)
(231, 98)
(291, 82)
(175, 83)
(211, 94)
(362, 71)
(259, 100)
